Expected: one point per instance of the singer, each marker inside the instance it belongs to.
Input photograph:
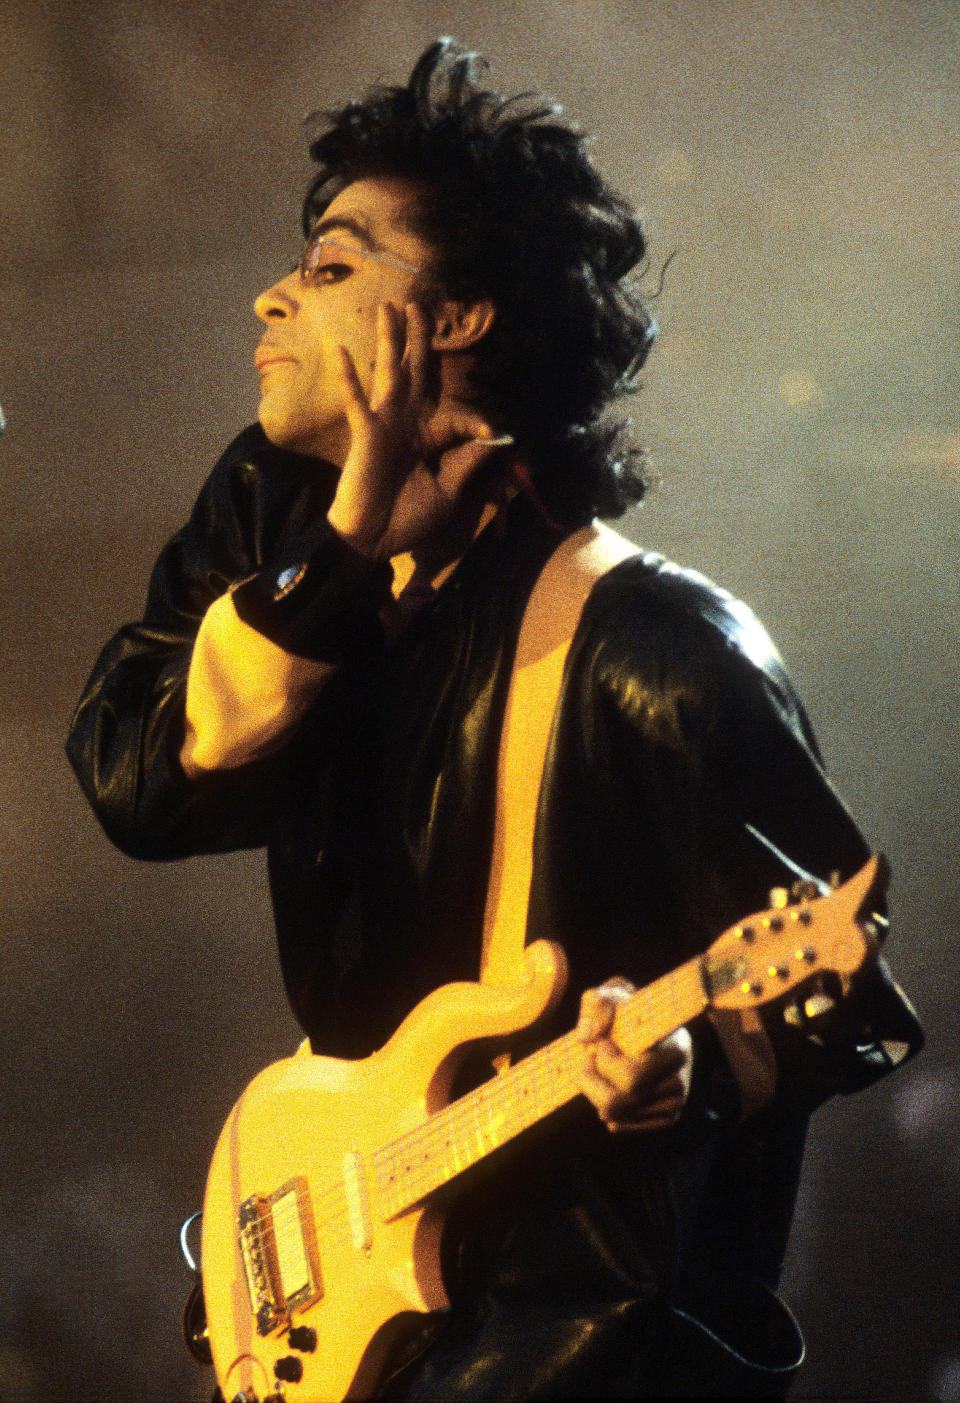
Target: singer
(323, 669)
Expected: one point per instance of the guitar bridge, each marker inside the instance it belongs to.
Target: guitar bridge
(278, 1248)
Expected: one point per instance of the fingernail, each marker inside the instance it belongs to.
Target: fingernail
(503, 441)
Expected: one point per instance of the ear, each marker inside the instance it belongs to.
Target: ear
(460, 325)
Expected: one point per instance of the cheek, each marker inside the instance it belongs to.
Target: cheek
(359, 336)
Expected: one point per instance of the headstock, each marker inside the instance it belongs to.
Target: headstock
(770, 952)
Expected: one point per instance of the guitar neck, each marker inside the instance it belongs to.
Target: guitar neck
(409, 1168)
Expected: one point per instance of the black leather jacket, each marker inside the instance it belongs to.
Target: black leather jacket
(682, 783)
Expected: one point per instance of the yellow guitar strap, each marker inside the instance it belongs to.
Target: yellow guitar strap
(548, 625)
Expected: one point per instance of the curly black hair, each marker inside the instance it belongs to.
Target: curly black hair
(518, 213)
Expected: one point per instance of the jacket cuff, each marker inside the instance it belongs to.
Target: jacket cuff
(324, 605)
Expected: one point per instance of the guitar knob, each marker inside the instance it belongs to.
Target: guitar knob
(303, 1338)
(289, 1369)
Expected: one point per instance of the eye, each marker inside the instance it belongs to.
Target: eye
(325, 262)
(323, 270)
(331, 272)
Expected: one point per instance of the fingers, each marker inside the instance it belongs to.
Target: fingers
(402, 357)
(410, 454)
(650, 1073)
(644, 1092)
(357, 408)
(624, 1104)
(459, 464)
(417, 352)
(389, 372)
(598, 1006)
(402, 390)
(633, 1089)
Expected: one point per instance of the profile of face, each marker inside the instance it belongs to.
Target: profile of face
(369, 256)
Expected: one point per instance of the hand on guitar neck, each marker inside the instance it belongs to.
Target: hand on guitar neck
(643, 1093)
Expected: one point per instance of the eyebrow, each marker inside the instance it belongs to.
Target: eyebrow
(349, 225)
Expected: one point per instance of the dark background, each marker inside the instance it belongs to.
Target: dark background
(801, 408)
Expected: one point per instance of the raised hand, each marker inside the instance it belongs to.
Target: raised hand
(411, 453)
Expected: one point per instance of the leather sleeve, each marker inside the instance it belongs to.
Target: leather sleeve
(128, 726)
(715, 793)
(770, 816)
(788, 806)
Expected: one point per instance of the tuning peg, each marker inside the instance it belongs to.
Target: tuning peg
(779, 897)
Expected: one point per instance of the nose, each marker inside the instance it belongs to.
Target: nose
(276, 303)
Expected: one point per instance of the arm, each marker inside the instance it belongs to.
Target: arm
(835, 1040)
(180, 738)
(129, 726)
(267, 649)
(715, 793)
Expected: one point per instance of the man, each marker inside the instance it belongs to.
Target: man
(323, 668)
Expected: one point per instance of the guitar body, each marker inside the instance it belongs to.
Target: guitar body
(293, 1211)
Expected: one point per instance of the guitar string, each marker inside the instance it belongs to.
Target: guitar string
(468, 1129)
(263, 1228)
(499, 1098)
(497, 1111)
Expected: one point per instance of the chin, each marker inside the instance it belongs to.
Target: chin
(282, 433)
(312, 439)
(274, 426)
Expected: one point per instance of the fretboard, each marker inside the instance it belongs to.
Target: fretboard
(409, 1168)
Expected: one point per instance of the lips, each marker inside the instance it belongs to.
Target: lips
(265, 355)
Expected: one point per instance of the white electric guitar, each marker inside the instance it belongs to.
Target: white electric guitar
(320, 1242)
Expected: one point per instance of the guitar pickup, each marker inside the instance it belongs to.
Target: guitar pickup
(278, 1247)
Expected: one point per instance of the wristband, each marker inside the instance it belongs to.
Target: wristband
(323, 606)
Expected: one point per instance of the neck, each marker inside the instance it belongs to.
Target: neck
(436, 563)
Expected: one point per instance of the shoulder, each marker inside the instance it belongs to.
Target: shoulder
(649, 587)
(660, 638)
(648, 602)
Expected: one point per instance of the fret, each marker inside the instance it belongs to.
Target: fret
(654, 1012)
(534, 1087)
(470, 1128)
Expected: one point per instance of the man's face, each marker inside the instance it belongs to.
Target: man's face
(302, 392)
